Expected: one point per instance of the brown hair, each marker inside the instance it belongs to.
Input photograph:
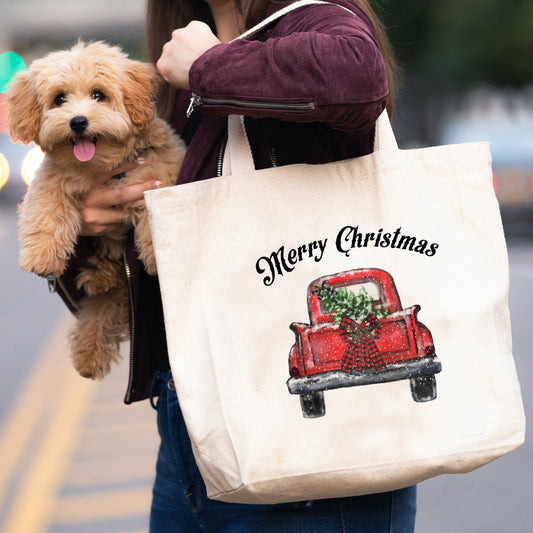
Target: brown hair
(163, 16)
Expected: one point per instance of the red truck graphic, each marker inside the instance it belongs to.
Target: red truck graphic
(359, 335)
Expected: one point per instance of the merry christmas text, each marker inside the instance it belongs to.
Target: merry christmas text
(281, 261)
(348, 238)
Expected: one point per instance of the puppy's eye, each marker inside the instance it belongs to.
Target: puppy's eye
(99, 96)
(60, 99)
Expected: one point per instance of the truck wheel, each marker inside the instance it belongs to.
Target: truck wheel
(424, 388)
(313, 405)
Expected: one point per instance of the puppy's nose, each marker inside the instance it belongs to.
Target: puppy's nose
(79, 124)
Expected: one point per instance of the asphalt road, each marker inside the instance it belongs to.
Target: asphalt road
(494, 499)
(73, 457)
(28, 312)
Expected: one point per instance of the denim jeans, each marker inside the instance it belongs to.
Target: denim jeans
(180, 503)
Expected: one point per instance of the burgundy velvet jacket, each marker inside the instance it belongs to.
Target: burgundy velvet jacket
(311, 88)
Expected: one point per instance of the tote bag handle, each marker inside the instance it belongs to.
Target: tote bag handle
(282, 12)
(238, 157)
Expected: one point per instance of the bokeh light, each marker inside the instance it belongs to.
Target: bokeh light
(32, 161)
(10, 64)
(4, 170)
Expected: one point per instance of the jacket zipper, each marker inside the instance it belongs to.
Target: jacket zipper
(273, 157)
(271, 153)
(197, 101)
(132, 325)
(220, 163)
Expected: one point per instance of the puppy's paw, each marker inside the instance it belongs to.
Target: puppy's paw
(41, 261)
(102, 324)
(95, 365)
(92, 353)
(97, 281)
(148, 259)
(143, 241)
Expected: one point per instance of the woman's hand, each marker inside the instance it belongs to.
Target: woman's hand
(101, 208)
(186, 46)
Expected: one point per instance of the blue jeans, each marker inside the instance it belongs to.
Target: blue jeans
(180, 503)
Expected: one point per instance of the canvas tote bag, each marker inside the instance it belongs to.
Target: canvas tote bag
(339, 329)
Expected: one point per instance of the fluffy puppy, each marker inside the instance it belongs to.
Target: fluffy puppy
(89, 109)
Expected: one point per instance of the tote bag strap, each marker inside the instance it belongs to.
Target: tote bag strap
(238, 157)
(282, 12)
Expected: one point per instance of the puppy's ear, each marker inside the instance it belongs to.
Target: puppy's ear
(139, 91)
(24, 114)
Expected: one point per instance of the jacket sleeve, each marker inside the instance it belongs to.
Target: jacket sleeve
(319, 63)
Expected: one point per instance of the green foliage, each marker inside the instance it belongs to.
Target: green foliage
(463, 42)
(343, 303)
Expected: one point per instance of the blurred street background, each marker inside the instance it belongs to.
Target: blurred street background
(73, 458)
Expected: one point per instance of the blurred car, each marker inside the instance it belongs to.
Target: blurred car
(506, 122)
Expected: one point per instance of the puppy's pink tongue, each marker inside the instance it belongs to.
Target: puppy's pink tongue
(84, 150)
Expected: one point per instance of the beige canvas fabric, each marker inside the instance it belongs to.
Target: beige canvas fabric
(237, 257)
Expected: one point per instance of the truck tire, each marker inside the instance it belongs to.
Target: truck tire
(424, 388)
(313, 405)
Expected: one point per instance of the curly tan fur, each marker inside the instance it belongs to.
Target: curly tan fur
(115, 95)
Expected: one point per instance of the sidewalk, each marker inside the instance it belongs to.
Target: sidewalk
(74, 458)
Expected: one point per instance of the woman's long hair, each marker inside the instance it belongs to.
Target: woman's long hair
(163, 16)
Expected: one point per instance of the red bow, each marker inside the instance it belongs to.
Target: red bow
(363, 352)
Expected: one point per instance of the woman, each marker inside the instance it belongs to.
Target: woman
(311, 87)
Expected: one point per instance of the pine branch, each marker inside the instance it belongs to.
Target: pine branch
(343, 303)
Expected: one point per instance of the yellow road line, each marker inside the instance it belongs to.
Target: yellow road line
(103, 505)
(22, 418)
(110, 470)
(55, 389)
(147, 427)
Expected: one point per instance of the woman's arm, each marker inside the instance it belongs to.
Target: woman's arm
(320, 63)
